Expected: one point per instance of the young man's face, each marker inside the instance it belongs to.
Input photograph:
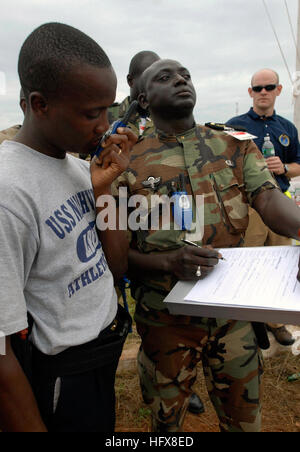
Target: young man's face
(169, 89)
(77, 116)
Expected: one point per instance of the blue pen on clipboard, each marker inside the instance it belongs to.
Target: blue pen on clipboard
(115, 125)
(188, 242)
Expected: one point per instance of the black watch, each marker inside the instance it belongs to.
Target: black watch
(286, 168)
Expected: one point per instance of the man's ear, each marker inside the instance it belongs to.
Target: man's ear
(250, 92)
(142, 100)
(38, 103)
(279, 89)
(130, 80)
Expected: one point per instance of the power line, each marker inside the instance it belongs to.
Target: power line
(292, 30)
(280, 48)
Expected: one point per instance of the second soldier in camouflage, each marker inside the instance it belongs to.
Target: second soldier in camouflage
(230, 175)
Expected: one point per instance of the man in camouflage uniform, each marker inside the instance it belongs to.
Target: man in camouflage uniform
(9, 134)
(140, 122)
(142, 125)
(230, 174)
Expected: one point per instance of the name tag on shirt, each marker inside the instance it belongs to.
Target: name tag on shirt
(240, 135)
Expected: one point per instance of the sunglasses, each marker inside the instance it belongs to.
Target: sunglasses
(258, 89)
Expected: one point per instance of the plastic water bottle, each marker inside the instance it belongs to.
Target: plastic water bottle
(294, 377)
(297, 196)
(292, 191)
(268, 147)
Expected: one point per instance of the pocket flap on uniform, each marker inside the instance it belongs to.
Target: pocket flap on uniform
(232, 199)
(225, 179)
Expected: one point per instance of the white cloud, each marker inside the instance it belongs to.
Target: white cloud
(2, 84)
(222, 42)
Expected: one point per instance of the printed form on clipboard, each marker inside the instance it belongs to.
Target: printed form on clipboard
(260, 277)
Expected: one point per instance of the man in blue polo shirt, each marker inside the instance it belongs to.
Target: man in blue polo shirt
(262, 120)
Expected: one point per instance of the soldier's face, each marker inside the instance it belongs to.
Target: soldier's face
(77, 116)
(169, 89)
(134, 81)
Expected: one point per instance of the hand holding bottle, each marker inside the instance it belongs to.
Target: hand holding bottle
(273, 162)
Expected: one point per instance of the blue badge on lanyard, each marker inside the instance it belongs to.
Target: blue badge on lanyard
(182, 207)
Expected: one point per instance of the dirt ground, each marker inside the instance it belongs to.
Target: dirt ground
(281, 400)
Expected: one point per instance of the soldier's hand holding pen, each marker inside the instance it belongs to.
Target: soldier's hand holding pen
(192, 262)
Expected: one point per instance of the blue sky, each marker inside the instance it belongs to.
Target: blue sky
(221, 42)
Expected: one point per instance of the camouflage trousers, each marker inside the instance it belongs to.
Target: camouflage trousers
(232, 364)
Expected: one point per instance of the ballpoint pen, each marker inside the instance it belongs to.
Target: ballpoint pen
(188, 242)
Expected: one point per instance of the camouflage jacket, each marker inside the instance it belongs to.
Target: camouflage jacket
(8, 134)
(228, 173)
(117, 111)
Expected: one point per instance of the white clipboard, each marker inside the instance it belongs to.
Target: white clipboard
(255, 284)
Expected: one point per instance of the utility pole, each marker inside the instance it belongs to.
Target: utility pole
(297, 84)
(237, 105)
(297, 78)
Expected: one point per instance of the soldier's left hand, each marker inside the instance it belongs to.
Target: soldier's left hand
(113, 160)
(275, 165)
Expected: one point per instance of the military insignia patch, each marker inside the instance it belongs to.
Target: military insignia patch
(284, 140)
(229, 163)
(152, 182)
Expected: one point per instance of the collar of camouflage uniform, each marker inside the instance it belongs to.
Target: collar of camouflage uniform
(163, 136)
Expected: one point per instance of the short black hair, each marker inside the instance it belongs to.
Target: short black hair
(141, 61)
(49, 53)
